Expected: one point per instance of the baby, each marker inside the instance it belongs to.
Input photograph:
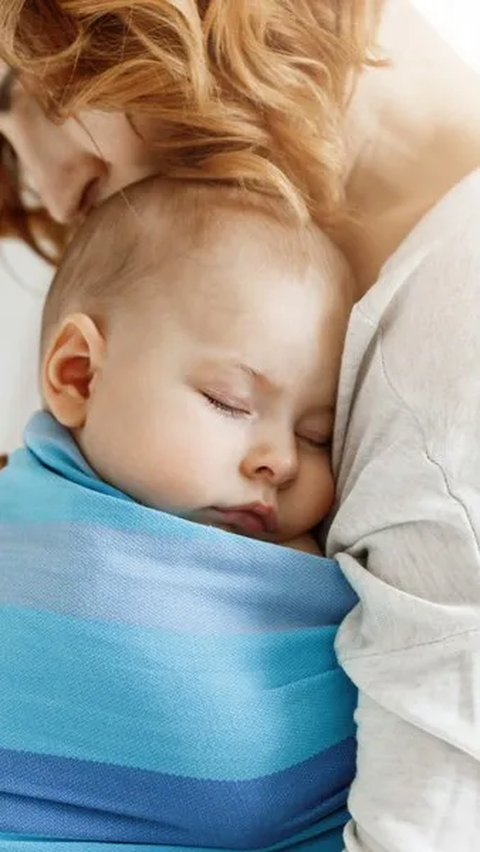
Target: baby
(191, 343)
(165, 682)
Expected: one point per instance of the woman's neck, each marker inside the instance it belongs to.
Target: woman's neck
(413, 131)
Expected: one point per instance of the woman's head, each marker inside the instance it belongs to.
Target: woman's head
(209, 88)
(74, 165)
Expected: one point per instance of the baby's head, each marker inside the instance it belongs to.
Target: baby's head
(191, 342)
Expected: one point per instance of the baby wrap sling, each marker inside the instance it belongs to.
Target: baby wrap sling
(163, 685)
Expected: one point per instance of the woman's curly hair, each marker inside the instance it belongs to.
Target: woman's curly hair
(245, 90)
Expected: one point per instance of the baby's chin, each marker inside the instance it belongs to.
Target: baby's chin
(291, 532)
(298, 539)
(306, 542)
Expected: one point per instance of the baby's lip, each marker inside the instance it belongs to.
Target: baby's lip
(250, 518)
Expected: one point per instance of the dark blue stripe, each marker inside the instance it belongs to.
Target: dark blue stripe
(306, 841)
(58, 797)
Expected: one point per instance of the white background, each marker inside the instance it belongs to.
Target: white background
(22, 288)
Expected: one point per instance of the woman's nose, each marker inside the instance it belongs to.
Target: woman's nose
(67, 177)
(69, 189)
(275, 461)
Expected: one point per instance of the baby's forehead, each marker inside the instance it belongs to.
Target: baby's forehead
(241, 285)
(229, 250)
(281, 328)
(240, 290)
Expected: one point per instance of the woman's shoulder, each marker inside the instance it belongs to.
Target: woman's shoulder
(406, 450)
(424, 311)
(410, 374)
(437, 258)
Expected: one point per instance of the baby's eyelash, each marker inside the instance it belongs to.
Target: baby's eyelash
(317, 443)
(225, 407)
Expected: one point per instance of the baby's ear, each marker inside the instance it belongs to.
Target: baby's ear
(71, 362)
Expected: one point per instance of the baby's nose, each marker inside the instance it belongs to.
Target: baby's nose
(274, 461)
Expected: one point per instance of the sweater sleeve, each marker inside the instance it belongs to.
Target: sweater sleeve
(407, 534)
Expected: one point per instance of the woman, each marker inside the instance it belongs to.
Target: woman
(286, 97)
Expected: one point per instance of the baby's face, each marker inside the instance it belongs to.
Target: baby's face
(215, 400)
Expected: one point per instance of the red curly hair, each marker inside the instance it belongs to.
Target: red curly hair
(247, 91)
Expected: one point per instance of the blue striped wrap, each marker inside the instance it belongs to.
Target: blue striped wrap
(163, 685)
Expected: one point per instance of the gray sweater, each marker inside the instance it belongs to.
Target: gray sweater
(406, 532)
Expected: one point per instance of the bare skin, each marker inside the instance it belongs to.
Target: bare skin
(413, 132)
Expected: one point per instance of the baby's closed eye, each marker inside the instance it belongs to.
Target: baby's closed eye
(229, 406)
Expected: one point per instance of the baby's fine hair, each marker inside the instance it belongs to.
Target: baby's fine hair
(118, 253)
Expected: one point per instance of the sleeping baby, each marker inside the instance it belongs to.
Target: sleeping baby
(191, 344)
(168, 675)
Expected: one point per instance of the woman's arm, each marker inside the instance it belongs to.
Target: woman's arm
(407, 537)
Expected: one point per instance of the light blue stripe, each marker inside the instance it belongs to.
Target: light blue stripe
(51, 455)
(200, 706)
(85, 500)
(155, 581)
(56, 498)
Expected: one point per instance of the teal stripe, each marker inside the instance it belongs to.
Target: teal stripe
(166, 702)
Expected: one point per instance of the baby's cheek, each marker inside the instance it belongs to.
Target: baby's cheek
(315, 493)
(169, 469)
(326, 486)
(174, 481)
(166, 474)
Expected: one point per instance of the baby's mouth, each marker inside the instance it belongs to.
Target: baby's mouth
(252, 519)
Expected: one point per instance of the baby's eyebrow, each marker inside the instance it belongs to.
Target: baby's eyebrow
(253, 375)
(263, 378)
(316, 410)
(250, 371)
(256, 375)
